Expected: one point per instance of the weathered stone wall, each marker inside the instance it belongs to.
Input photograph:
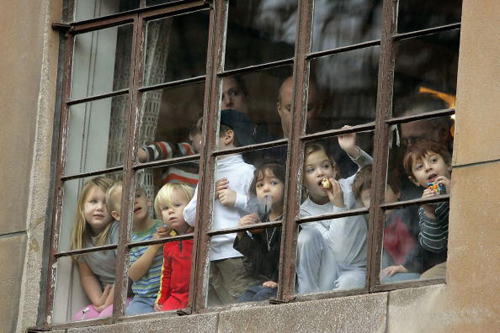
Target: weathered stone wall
(468, 302)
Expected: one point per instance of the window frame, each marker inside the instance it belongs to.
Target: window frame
(215, 73)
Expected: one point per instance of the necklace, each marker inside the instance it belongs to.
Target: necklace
(269, 239)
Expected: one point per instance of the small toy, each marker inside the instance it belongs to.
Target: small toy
(437, 188)
(325, 183)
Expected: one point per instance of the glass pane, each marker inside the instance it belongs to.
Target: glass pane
(411, 252)
(176, 48)
(101, 61)
(256, 94)
(85, 208)
(426, 64)
(71, 301)
(96, 134)
(171, 122)
(345, 89)
(85, 10)
(331, 254)
(246, 195)
(260, 32)
(422, 14)
(341, 23)
(424, 154)
(161, 195)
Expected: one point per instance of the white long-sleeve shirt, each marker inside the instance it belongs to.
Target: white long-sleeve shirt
(345, 236)
(240, 176)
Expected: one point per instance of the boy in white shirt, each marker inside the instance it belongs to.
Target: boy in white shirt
(228, 276)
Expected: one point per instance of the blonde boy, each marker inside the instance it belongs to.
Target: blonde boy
(145, 261)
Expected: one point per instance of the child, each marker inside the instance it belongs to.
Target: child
(95, 227)
(399, 258)
(262, 247)
(145, 261)
(185, 172)
(427, 163)
(331, 255)
(228, 279)
(176, 272)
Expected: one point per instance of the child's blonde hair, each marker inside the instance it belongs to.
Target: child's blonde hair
(165, 194)
(80, 230)
(110, 204)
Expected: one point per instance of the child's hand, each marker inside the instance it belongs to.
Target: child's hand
(335, 193)
(429, 209)
(391, 270)
(141, 155)
(348, 143)
(104, 295)
(249, 219)
(226, 196)
(445, 181)
(270, 284)
(157, 307)
(163, 231)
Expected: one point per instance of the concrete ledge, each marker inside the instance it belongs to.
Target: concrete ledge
(366, 313)
(206, 323)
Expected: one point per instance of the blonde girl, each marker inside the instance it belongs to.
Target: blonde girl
(95, 227)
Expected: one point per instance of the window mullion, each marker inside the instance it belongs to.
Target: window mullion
(129, 179)
(215, 59)
(381, 142)
(295, 154)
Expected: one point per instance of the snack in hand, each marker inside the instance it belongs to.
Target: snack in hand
(325, 183)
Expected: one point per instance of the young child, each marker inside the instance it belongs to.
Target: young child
(399, 257)
(331, 254)
(176, 272)
(228, 279)
(262, 247)
(95, 227)
(427, 164)
(185, 172)
(145, 261)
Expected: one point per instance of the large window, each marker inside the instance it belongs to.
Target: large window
(245, 103)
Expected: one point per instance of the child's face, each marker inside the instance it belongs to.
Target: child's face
(196, 141)
(141, 206)
(172, 214)
(95, 211)
(116, 197)
(428, 168)
(317, 167)
(270, 189)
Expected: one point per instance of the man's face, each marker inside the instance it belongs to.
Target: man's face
(285, 107)
(233, 97)
(417, 130)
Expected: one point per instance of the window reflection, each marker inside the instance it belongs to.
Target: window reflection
(259, 32)
(345, 85)
(101, 61)
(176, 48)
(341, 23)
(426, 64)
(85, 10)
(422, 14)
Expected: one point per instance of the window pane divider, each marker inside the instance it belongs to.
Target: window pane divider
(325, 134)
(256, 226)
(425, 32)
(168, 162)
(258, 67)
(91, 173)
(322, 217)
(406, 203)
(341, 49)
(161, 240)
(85, 250)
(97, 97)
(270, 144)
(406, 284)
(422, 116)
(176, 83)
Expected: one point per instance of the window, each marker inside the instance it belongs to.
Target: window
(248, 83)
